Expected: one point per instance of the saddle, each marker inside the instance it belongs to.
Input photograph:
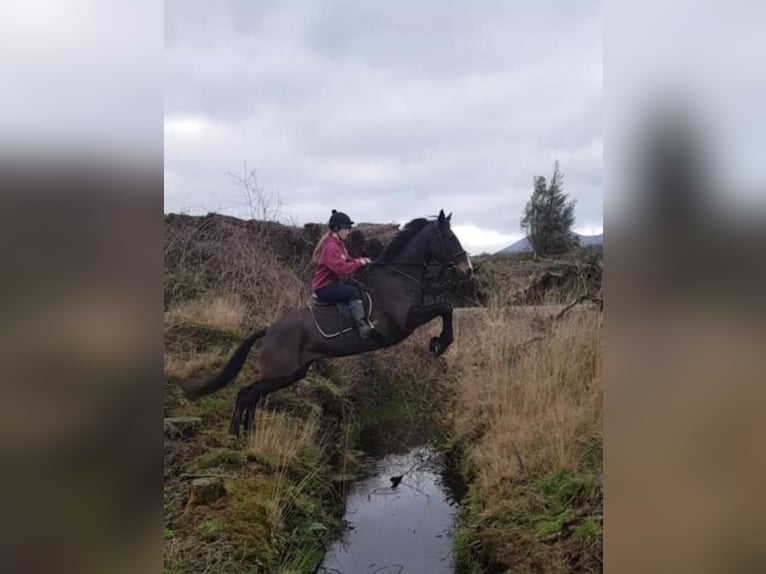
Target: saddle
(334, 319)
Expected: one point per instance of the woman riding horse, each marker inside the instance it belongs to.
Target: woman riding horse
(395, 283)
(334, 266)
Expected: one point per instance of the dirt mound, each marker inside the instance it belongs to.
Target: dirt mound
(261, 259)
(269, 263)
(523, 279)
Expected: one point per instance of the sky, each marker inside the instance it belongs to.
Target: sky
(386, 111)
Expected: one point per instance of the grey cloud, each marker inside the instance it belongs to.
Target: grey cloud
(387, 110)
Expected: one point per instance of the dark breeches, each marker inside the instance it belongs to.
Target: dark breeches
(338, 293)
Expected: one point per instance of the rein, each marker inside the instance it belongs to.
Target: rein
(392, 265)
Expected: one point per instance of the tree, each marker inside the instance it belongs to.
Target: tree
(262, 205)
(549, 215)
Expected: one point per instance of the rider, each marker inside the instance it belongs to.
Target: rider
(333, 266)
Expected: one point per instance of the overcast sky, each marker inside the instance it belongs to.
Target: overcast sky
(386, 110)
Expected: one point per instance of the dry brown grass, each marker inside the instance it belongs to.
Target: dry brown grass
(265, 263)
(182, 366)
(224, 311)
(534, 398)
(282, 439)
(529, 418)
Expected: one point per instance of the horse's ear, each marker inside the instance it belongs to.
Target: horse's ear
(449, 217)
(441, 217)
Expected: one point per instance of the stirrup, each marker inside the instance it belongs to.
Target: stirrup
(368, 330)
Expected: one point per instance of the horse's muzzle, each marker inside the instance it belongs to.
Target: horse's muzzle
(464, 268)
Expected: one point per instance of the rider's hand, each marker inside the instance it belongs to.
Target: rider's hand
(365, 260)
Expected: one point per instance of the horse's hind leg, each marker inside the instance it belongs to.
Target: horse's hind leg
(244, 410)
(236, 417)
(250, 415)
(247, 399)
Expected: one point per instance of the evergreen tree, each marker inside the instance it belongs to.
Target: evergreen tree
(549, 215)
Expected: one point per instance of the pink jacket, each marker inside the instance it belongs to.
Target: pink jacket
(334, 264)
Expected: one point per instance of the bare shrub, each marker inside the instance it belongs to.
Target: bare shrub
(225, 311)
(217, 255)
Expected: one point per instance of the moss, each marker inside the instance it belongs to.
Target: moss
(277, 463)
(509, 527)
(460, 468)
(215, 406)
(565, 489)
(465, 552)
(548, 527)
(277, 520)
(210, 528)
(276, 517)
(220, 457)
(251, 519)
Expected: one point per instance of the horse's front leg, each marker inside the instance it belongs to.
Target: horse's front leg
(419, 316)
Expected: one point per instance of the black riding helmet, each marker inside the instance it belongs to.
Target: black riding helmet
(338, 219)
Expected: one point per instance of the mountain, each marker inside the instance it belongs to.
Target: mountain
(518, 247)
(586, 240)
(523, 244)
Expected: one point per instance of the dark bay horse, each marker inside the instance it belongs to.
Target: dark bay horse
(292, 343)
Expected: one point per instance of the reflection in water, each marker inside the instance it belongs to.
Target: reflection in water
(402, 528)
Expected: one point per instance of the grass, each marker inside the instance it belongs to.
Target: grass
(528, 417)
(182, 366)
(281, 440)
(222, 311)
(524, 420)
(279, 508)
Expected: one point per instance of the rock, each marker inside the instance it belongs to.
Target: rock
(205, 491)
(182, 427)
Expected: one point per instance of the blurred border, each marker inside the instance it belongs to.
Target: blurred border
(684, 330)
(81, 314)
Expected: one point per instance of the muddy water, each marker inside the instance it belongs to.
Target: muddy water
(396, 529)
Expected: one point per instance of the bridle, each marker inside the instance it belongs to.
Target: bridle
(449, 264)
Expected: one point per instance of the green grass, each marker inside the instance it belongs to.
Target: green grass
(548, 527)
(589, 532)
(220, 457)
(210, 527)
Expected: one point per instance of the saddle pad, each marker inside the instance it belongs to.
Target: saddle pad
(335, 319)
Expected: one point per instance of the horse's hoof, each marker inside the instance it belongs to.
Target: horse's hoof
(436, 347)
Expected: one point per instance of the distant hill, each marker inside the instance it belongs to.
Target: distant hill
(523, 244)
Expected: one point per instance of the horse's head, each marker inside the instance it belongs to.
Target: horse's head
(445, 247)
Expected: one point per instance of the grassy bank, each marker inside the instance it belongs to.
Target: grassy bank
(526, 440)
(272, 502)
(517, 399)
(268, 503)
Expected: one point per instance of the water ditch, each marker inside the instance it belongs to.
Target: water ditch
(401, 511)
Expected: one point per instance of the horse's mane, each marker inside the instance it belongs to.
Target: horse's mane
(402, 238)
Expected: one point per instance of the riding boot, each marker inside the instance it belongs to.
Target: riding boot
(357, 312)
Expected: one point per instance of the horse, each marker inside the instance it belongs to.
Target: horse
(395, 293)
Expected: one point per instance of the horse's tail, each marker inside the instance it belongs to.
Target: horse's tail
(228, 373)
